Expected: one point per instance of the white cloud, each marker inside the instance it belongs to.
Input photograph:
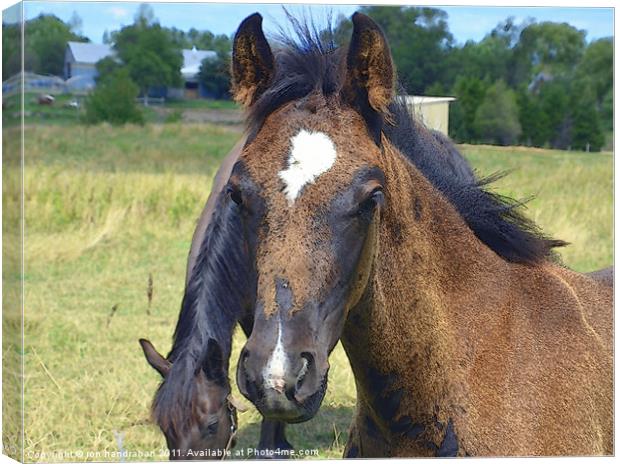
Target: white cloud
(118, 12)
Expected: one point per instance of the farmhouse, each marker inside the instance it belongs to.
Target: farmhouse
(80, 71)
(80, 60)
(432, 111)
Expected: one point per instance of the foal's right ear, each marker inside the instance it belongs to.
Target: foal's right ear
(156, 360)
(370, 77)
(252, 61)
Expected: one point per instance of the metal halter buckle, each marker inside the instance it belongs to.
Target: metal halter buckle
(233, 427)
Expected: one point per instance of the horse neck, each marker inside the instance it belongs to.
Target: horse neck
(401, 339)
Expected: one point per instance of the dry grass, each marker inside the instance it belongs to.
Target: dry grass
(106, 207)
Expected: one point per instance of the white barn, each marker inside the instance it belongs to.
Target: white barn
(434, 112)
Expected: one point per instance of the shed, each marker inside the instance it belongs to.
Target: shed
(432, 111)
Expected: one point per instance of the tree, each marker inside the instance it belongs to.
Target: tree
(106, 66)
(11, 50)
(342, 31)
(145, 15)
(595, 71)
(202, 40)
(215, 75)
(554, 99)
(587, 133)
(106, 39)
(607, 110)
(114, 100)
(534, 121)
(419, 40)
(45, 41)
(497, 118)
(553, 48)
(469, 92)
(75, 24)
(148, 51)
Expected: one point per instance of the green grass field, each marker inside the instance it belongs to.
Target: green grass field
(107, 207)
(61, 114)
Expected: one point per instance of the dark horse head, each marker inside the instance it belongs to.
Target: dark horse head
(311, 187)
(208, 420)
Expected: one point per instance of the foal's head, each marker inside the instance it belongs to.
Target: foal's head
(310, 187)
(208, 419)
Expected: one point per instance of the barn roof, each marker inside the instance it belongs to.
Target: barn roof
(423, 100)
(85, 52)
(192, 59)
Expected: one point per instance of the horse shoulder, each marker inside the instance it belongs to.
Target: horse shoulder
(593, 294)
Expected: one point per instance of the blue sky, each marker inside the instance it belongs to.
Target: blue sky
(465, 22)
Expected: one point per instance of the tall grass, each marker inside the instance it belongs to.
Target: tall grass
(107, 207)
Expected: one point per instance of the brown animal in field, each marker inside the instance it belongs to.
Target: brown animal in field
(46, 100)
(464, 334)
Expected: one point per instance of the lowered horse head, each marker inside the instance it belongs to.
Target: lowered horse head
(333, 175)
(194, 411)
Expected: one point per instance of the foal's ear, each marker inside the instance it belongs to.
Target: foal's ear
(252, 61)
(370, 73)
(156, 360)
(213, 362)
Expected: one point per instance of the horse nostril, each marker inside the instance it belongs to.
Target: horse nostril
(307, 360)
(308, 357)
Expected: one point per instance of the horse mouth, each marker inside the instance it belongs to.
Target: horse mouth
(285, 407)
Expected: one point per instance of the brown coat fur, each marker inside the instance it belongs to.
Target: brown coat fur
(519, 358)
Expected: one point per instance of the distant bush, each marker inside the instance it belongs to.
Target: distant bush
(114, 100)
(587, 133)
(215, 75)
(497, 117)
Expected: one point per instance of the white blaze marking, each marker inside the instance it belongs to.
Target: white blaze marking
(312, 154)
(276, 367)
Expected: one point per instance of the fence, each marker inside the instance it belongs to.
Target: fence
(47, 84)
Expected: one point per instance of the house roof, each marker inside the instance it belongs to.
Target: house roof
(85, 52)
(90, 53)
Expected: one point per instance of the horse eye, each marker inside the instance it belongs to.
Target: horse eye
(376, 198)
(210, 429)
(235, 195)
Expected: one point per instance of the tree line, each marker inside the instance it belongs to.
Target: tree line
(538, 84)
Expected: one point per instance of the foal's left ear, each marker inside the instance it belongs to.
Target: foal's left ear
(252, 61)
(370, 73)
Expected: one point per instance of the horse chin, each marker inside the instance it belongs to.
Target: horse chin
(288, 409)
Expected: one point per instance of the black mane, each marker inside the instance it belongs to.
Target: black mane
(311, 64)
(210, 309)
